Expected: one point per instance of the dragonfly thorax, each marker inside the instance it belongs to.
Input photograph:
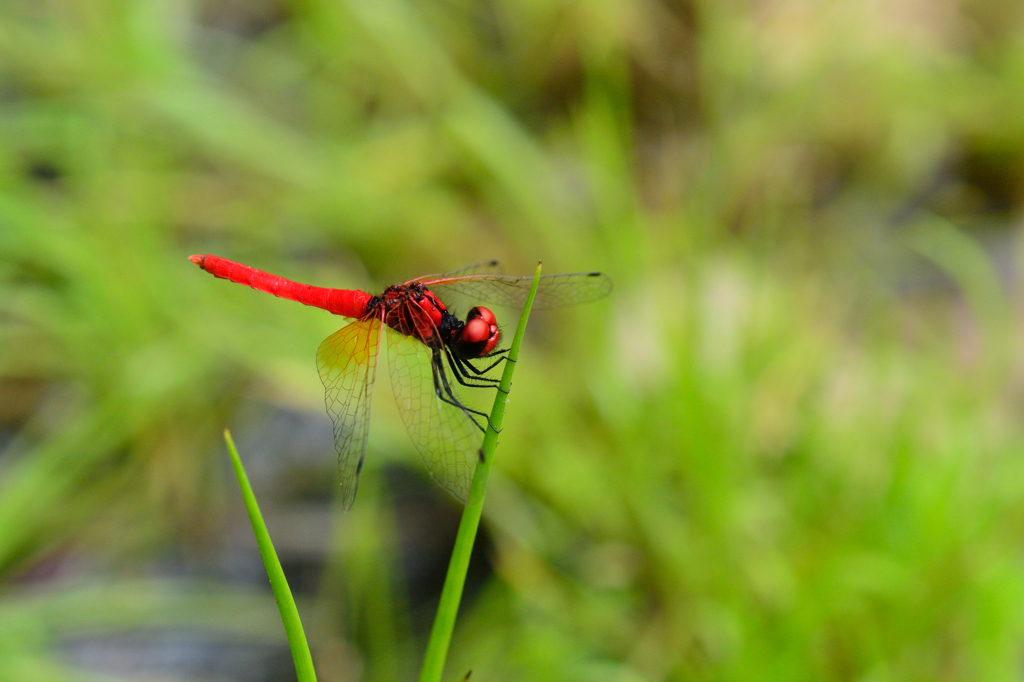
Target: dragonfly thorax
(414, 310)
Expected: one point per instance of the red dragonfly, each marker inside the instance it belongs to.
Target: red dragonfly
(428, 345)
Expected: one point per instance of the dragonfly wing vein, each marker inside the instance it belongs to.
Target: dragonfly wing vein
(442, 433)
(347, 362)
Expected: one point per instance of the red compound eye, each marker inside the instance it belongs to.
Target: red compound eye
(491, 342)
(476, 331)
(480, 334)
(484, 314)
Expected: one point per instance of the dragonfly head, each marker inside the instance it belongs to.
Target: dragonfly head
(479, 335)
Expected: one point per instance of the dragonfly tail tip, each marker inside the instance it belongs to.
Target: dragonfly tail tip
(197, 259)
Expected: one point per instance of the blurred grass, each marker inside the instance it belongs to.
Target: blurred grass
(297, 643)
(789, 447)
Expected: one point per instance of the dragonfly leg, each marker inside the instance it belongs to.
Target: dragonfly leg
(459, 370)
(453, 362)
(444, 391)
(491, 366)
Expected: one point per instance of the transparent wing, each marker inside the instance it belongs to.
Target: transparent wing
(443, 434)
(347, 362)
(554, 291)
(487, 267)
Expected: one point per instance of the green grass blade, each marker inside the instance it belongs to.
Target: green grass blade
(278, 583)
(451, 594)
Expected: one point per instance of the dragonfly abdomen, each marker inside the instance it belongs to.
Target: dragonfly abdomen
(345, 302)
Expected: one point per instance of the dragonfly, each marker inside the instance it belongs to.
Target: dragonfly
(430, 352)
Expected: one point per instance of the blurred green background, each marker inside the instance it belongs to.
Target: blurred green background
(788, 447)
